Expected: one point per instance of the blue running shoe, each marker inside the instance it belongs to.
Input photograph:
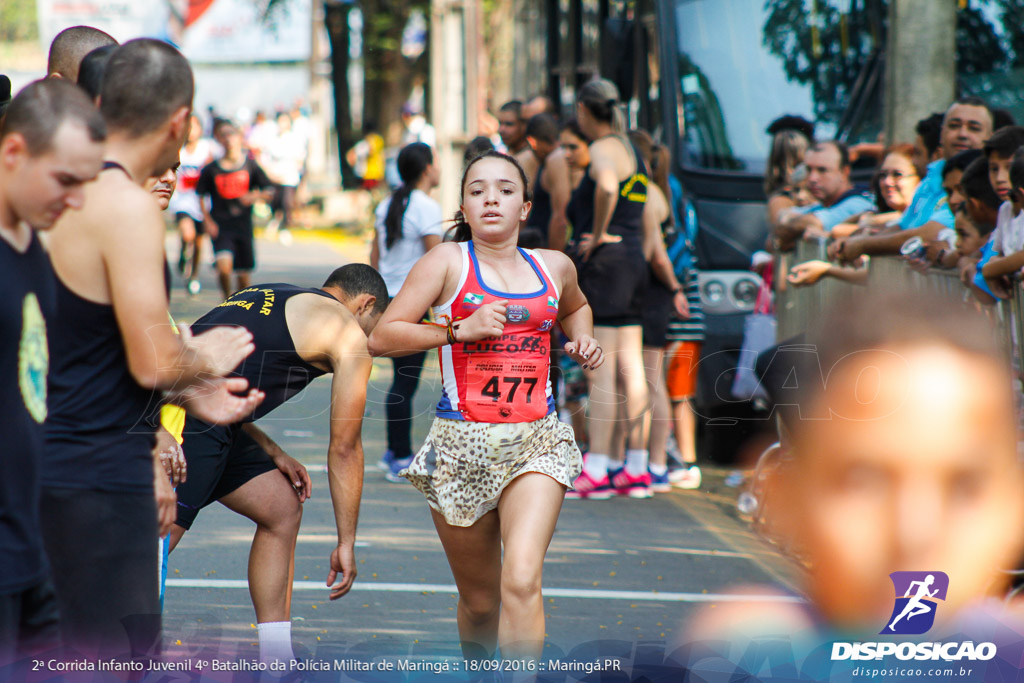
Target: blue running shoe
(397, 466)
(660, 482)
(384, 464)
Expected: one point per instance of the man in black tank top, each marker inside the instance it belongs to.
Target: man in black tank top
(105, 495)
(551, 188)
(300, 334)
(55, 138)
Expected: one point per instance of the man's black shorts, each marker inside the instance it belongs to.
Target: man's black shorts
(220, 460)
(239, 245)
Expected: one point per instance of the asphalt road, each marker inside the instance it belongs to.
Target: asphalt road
(627, 572)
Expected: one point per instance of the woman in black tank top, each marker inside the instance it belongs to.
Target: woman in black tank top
(613, 275)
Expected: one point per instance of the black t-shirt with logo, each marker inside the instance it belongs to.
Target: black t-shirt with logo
(225, 186)
(26, 308)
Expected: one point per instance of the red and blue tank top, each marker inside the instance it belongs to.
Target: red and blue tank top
(504, 378)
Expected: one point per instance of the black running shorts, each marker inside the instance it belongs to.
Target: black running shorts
(220, 460)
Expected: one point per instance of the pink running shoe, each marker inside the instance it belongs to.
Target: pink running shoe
(626, 484)
(587, 488)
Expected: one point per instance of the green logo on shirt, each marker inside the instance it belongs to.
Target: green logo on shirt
(33, 358)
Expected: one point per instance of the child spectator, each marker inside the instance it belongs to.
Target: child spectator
(1008, 237)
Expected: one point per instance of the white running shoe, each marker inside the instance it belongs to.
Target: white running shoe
(686, 477)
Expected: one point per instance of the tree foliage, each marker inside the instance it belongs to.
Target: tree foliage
(18, 21)
(825, 48)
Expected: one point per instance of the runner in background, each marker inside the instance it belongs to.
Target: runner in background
(233, 183)
(283, 160)
(186, 205)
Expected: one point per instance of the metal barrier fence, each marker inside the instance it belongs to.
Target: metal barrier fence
(798, 308)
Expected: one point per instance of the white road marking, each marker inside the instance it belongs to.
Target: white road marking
(584, 593)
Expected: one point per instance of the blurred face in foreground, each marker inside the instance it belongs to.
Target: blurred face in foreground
(916, 470)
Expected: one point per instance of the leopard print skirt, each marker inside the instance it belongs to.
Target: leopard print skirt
(464, 466)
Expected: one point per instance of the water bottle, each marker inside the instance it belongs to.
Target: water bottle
(746, 503)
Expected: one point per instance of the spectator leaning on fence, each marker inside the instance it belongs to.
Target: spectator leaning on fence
(1008, 237)
(940, 249)
(828, 165)
(894, 185)
(975, 196)
(953, 173)
(787, 155)
(896, 182)
(972, 194)
(966, 125)
(971, 236)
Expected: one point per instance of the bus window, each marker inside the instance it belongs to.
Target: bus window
(743, 63)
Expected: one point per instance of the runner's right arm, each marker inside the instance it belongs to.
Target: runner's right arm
(400, 332)
(157, 357)
(351, 364)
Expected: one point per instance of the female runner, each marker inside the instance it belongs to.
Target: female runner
(497, 462)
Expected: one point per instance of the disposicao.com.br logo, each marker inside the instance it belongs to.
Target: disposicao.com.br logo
(913, 613)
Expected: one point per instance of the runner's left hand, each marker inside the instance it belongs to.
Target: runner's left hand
(296, 475)
(172, 458)
(343, 562)
(586, 352)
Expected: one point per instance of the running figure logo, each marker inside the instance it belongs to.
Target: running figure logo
(916, 595)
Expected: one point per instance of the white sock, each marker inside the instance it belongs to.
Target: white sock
(596, 465)
(636, 461)
(660, 470)
(275, 641)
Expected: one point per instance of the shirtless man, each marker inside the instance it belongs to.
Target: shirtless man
(551, 188)
(51, 145)
(112, 350)
(512, 129)
(300, 334)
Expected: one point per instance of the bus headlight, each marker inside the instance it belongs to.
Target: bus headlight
(744, 292)
(714, 291)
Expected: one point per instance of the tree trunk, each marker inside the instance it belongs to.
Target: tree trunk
(499, 46)
(389, 75)
(336, 22)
